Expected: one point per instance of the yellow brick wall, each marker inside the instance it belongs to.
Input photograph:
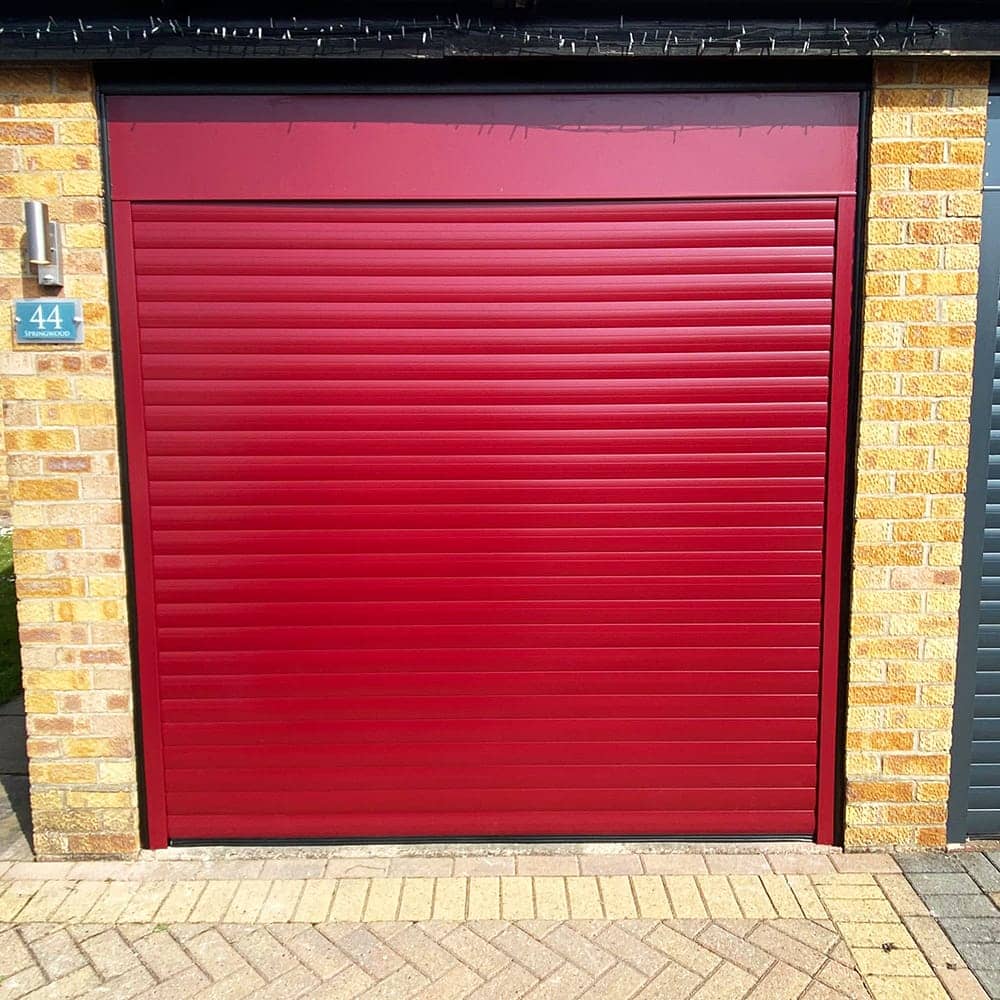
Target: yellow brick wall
(61, 442)
(925, 205)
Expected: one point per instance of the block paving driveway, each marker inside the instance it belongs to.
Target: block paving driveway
(963, 891)
(605, 926)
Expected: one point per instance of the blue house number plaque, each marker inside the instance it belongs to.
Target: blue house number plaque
(48, 321)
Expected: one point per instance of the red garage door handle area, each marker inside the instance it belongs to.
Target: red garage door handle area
(507, 509)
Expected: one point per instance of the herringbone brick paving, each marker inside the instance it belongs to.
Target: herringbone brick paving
(611, 927)
(433, 960)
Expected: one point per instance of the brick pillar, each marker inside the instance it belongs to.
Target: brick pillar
(62, 460)
(925, 207)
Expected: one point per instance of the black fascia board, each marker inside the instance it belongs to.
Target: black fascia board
(508, 28)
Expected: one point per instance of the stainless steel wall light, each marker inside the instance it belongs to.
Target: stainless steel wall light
(44, 244)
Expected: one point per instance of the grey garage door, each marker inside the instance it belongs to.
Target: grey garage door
(975, 800)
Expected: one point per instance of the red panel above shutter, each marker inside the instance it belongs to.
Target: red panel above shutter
(493, 146)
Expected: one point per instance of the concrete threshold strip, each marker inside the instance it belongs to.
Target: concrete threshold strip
(707, 911)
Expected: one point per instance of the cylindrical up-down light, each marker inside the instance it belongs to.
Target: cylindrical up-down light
(36, 220)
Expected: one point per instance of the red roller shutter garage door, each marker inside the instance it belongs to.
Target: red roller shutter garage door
(486, 460)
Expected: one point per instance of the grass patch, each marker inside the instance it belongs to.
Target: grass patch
(10, 649)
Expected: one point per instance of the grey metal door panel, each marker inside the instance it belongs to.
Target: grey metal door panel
(983, 798)
(974, 805)
(983, 819)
